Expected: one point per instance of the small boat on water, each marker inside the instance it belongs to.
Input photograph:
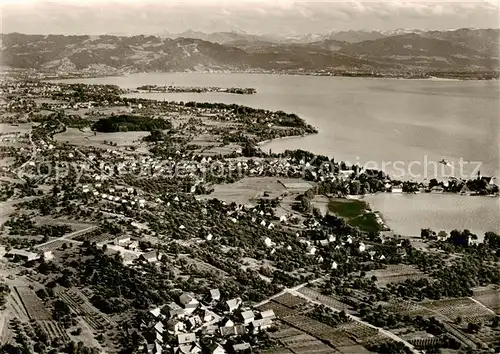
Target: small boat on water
(444, 162)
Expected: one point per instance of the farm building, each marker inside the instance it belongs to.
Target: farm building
(22, 255)
(247, 316)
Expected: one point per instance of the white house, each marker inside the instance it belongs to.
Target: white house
(233, 304)
(268, 314)
(214, 294)
(227, 322)
(268, 242)
(247, 317)
(156, 312)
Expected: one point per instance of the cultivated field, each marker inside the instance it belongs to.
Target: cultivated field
(325, 300)
(74, 136)
(280, 310)
(21, 128)
(221, 150)
(408, 308)
(290, 300)
(335, 337)
(35, 309)
(395, 274)
(246, 190)
(467, 309)
(53, 330)
(82, 307)
(296, 341)
(489, 297)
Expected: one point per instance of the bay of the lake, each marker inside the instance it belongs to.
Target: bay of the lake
(407, 214)
(401, 126)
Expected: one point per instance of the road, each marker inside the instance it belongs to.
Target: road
(295, 288)
(294, 291)
(68, 237)
(11, 203)
(357, 319)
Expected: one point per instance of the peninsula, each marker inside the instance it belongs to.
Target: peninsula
(195, 89)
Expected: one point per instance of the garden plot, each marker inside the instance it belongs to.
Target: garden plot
(488, 335)
(35, 309)
(358, 331)
(467, 309)
(395, 274)
(489, 297)
(408, 308)
(74, 136)
(319, 348)
(97, 238)
(245, 190)
(299, 342)
(74, 224)
(21, 128)
(53, 330)
(222, 150)
(280, 310)
(6, 334)
(82, 307)
(325, 300)
(277, 351)
(353, 349)
(290, 300)
(337, 338)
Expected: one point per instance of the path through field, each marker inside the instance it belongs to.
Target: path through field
(355, 318)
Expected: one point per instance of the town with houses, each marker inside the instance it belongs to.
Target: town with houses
(131, 225)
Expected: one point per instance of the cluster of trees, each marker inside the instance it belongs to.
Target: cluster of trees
(477, 185)
(456, 280)
(83, 93)
(124, 122)
(328, 316)
(4, 292)
(155, 135)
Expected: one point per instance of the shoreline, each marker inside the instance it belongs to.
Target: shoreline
(315, 74)
(263, 142)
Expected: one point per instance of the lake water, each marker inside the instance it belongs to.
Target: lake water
(401, 126)
(408, 214)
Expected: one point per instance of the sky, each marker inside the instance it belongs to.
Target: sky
(280, 17)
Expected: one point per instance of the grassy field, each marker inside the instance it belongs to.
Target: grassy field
(356, 213)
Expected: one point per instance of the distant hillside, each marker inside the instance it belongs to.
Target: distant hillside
(482, 40)
(132, 53)
(355, 36)
(417, 51)
(106, 53)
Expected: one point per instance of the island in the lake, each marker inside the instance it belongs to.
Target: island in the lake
(195, 89)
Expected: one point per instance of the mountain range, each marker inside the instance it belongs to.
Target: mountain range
(463, 49)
